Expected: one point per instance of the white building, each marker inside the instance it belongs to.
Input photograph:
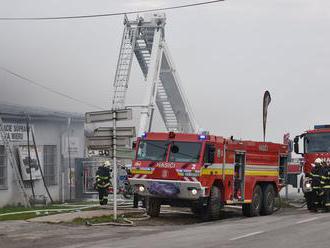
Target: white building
(59, 136)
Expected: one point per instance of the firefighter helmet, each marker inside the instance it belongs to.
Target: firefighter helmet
(318, 161)
(106, 163)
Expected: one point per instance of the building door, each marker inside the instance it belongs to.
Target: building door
(239, 176)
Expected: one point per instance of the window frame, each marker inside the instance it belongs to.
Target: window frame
(50, 165)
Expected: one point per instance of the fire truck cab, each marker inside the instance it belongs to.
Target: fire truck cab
(205, 172)
(315, 144)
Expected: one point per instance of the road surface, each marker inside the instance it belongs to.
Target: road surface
(286, 228)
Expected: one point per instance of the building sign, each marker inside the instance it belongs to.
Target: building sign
(25, 165)
(15, 131)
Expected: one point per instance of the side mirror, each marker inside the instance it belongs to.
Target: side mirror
(133, 145)
(296, 144)
(174, 149)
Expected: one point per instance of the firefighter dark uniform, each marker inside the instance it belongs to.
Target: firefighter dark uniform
(316, 183)
(325, 184)
(103, 182)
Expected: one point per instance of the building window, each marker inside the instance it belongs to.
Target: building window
(50, 166)
(3, 168)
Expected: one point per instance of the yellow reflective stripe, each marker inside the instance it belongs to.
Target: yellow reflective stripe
(261, 173)
(229, 171)
(103, 186)
(142, 172)
(211, 171)
(216, 171)
(103, 177)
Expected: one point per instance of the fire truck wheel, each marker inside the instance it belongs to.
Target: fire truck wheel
(153, 207)
(253, 209)
(214, 206)
(268, 200)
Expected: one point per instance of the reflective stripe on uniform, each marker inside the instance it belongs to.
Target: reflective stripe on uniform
(104, 178)
(103, 186)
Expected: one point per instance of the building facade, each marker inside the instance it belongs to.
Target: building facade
(59, 142)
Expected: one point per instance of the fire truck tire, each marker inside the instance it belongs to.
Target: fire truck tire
(268, 200)
(253, 209)
(214, 205)
(153, 207)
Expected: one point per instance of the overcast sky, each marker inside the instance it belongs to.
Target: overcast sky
(226, 54)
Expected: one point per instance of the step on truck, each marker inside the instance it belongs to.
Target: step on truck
(313, 144)
(206, 172)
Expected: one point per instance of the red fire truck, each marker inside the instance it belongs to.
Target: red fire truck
(316, 144)
(205, 172)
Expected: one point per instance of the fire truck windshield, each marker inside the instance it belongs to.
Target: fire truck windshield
(152, 150)
(185, 152)
(156, 150)
(317, 142)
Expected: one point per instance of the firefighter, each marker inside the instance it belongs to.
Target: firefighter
(316, 182)
(103, 182)
(325, 182)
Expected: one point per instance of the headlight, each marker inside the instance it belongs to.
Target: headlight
(141, 188)
(194, 191)
(308, 185)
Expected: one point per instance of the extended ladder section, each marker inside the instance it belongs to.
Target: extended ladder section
(124, 66)
(13, 162)
(147, 37)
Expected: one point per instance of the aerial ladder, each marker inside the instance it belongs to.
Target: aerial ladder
(145, 38)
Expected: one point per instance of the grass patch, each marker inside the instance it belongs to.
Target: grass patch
(25, 213)
(97, 220)
(23, 216)
(11, 209)
(106, 218)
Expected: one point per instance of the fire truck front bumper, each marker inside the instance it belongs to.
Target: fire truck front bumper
(187, 190)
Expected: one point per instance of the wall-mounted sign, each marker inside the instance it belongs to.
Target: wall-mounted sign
(16, 131)
(24, 162)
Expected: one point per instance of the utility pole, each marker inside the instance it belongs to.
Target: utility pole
(69, 155)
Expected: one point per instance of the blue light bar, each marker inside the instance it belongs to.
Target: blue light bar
(202, 137)
(144, 135)
(321, 126)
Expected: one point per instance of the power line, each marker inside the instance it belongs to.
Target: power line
(49, 89)
(107, 14)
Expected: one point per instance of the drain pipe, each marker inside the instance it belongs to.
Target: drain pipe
(62, 190)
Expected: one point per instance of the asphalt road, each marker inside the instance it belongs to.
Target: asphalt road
(286, 228)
